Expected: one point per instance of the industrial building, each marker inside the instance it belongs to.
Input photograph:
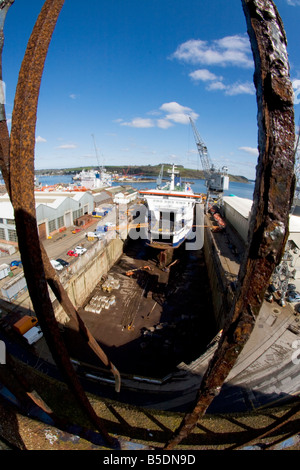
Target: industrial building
(55, 211)
(122, 194)
(58, 210)
(101, 196)
(237, 211)
(114, 194)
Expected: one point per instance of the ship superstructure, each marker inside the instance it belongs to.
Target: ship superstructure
(170, 211)
(91, 179)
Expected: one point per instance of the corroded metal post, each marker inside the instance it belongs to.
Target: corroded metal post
(4, 135)
(19, 178)
(273, 196)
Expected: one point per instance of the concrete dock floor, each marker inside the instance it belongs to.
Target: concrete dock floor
(159, 318)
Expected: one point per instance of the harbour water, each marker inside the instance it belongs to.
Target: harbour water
(243, 190)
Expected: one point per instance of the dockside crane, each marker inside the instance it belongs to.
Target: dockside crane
(217, 181)
(96, 151)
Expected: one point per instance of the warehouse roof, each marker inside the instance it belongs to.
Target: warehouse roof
(294, 225)
(241, 205)
(6, 209)
(51, 199)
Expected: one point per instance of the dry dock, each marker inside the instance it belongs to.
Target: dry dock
(157, 318)
(160, 327)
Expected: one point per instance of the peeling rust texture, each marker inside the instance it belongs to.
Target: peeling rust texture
(4, 135)
(78, 323)
(272, 200)
(21, 168)
(21, 185)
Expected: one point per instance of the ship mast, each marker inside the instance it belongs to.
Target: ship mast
(173, 172)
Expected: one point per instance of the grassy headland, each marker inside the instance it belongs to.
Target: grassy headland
(139, 170)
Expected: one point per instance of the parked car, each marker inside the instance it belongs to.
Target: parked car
(15, 262)
(94, 234)
(293, 296)
(63, 262)
(107, 225)
(80, 250)
(56, 265)
(72, 253)
(76, 230)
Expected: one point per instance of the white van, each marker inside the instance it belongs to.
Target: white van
(33, 335)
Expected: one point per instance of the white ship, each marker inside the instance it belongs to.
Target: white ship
(170, 211)
(92, 179)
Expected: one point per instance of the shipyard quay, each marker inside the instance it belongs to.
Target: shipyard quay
(156, 310)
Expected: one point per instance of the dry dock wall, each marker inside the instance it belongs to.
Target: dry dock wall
(221, 296)
(86, 273)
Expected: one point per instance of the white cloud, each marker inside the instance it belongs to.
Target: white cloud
(139, 122)
(233, 89)
(174, 107)
(293, 3)
(296, 87)
(179, 118)
(240, 88)
(40, 139)
(218, 85)
(230, 50)
(204, 75)
(164, 123)
(72, 96)
(67, 146)
(178, 113)
(174, 113)
(251, 150)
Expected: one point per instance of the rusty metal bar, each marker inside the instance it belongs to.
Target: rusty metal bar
(4, 135)
(50, 272)
(32, 87)
(272, 200)
(20, 387)
(21, 185)
(32, 404)
(263, 433)
(79, 325)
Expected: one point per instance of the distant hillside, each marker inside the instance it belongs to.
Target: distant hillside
(141, 170)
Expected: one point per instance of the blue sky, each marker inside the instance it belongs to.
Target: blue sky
(131, 72)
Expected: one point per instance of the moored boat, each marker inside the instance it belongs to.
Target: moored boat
(170, 211)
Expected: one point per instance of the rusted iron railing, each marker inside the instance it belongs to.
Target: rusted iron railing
(269, 219)
(273, 194)
(17, 159)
